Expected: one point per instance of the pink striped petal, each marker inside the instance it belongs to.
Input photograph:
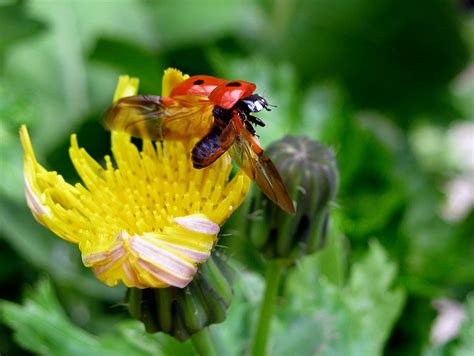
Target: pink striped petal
(135, 259)
(198, 223)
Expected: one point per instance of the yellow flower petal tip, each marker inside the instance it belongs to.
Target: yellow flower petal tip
(148, 219)
(127, 86)
(171, 78)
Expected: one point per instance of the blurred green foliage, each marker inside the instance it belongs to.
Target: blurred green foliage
(371, 79)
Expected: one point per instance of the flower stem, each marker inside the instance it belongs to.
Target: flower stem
(272, 280)
(203, 343)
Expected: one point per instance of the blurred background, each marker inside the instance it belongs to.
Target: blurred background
(388, 85)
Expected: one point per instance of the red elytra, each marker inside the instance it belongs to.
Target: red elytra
(221, 92)
(199, 85)
(227, 94)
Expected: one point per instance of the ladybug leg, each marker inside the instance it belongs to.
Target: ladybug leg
(250, 128)
(256, 121)
(247, 120)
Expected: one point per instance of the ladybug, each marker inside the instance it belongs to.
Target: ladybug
(216, 111)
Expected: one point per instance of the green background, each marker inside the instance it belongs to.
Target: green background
(383, 83)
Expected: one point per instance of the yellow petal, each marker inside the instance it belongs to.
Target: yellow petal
(171, 78)
(127, 86)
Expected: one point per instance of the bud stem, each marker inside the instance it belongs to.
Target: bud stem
(203, 343)
(273, 273)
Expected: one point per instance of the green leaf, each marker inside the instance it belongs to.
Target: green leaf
(354, 320)
(40, 325)
(373, 303)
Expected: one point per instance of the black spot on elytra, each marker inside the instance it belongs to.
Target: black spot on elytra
(233, 84)
(198, 82)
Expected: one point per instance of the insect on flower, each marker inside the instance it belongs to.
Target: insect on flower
(217, 112)
(146, 218)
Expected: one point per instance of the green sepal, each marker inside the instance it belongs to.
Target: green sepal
(182, 312)
(193, 307)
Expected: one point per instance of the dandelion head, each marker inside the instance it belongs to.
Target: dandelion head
(145, 217)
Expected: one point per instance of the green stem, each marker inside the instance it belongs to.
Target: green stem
(273, 273)
(203, 343)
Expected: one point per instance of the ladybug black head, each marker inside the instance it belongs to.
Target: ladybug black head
(255, 103)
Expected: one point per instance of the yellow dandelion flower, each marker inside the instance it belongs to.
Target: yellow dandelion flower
(147, 218)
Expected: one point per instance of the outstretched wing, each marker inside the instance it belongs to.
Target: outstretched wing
(157, 118)
(248, 154)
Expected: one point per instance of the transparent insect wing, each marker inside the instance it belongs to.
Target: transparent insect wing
(158, 118)
(250, 157)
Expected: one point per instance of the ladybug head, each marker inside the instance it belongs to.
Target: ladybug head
(255, 103)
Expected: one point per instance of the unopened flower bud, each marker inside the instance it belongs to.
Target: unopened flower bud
(309, 171)
(182, 312)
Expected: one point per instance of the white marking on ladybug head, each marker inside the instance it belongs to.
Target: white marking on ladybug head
(255, 103)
